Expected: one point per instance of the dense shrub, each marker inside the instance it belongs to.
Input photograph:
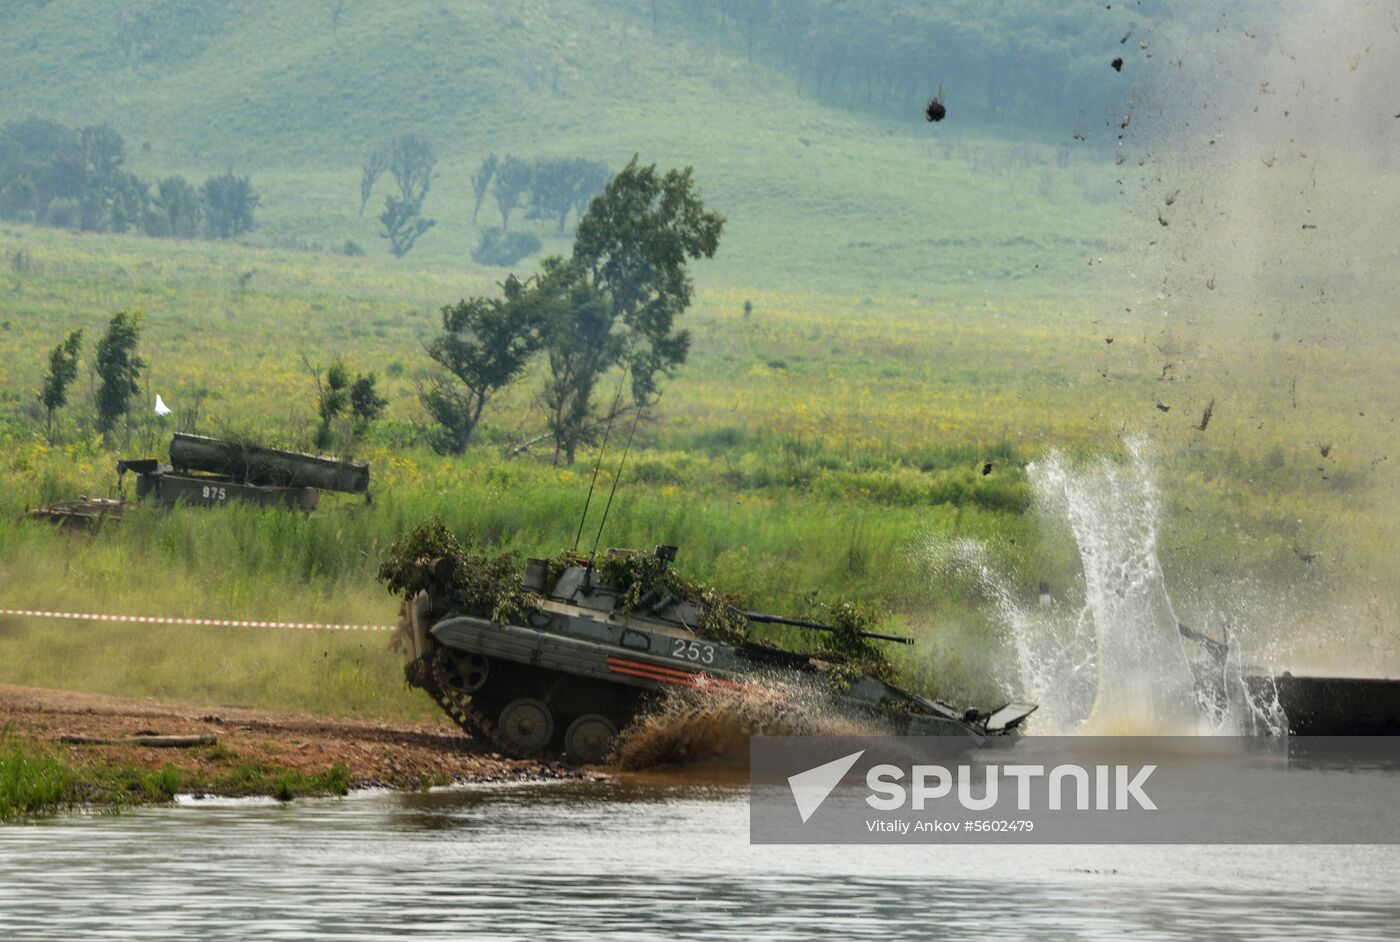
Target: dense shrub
(502, 248)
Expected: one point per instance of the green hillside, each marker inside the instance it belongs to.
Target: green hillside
(853, 199)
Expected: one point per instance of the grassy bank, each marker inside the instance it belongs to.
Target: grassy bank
(38, 779)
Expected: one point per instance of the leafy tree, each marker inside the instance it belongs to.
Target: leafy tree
(375, 165)
(581, 346)
(411, 163)
(633, 245)
(512, 183)
(17, 199)
(590, 179)
(339, 392)
(63, 369)
(48, 155)
(616, 300)
(111, 199)
(128, 203)
(558, 187)
(176, 210)
(485, 344)
(118, 370)
(229, 204)
(331, 398)
(103, 150)
(366, 404)
(481, 180)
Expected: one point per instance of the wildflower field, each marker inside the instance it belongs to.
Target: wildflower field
(809, 450)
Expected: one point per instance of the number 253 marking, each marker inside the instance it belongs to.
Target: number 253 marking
(693, 651)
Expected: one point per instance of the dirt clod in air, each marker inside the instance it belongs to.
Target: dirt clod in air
(935, 110)
(1117, 64)
(1205, 416)
(986, 469)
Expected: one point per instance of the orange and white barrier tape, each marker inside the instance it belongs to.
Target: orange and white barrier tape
(208, 622)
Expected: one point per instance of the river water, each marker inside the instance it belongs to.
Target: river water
(647, 858)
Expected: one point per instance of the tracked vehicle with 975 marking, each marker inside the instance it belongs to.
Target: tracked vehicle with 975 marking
(565, 673)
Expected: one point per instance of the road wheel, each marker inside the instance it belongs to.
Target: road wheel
(525, 727)
(590, 739)
(467, 671)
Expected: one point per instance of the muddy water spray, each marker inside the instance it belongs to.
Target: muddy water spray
(713, 726)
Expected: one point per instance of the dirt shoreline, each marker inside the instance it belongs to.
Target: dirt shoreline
(256, 748)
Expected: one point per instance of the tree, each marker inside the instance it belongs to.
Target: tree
(375, 165)
(331, 398)
(63, 369)
(581, 346)
(512, 182)
(111, 199)
(229, 203)
(47, 155)
(335, 8)
(616, 300)
(118, 370)
(17, 199)
(485, 344)
(481, 179)
(633, 244)
(366, 404)
(411, 163)
(337, 393)
(176, 210)
(558, 187)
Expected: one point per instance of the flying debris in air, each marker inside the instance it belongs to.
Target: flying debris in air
(1205, 416)
(161, 407)
(986, 469)
(936, 111)
(1117, 64)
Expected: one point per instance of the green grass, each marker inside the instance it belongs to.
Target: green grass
(36, 780)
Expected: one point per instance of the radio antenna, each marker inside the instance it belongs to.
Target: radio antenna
(583, 517)
(621, 464)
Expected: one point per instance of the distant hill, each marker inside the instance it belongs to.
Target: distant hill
(818, 187)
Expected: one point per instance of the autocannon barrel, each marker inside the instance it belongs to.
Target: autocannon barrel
(761, 618)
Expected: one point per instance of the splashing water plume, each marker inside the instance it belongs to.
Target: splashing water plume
(1144, 683)
(1116, 664)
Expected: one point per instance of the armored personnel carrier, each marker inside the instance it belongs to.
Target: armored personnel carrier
(560, 667)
